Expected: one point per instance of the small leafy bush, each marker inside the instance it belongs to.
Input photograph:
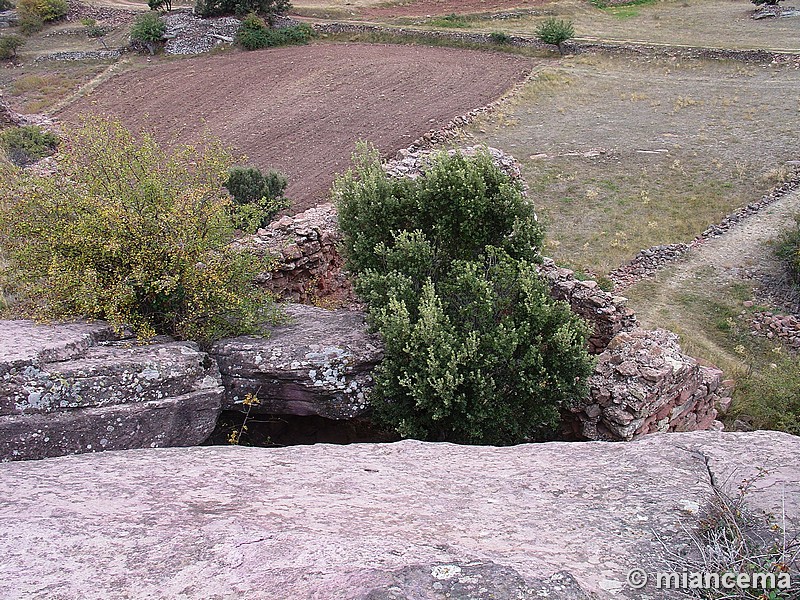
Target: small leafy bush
(42, 10)
(257, 197)
(498, 37)
(255, 34)
(9, 44)
(164, 5)
(126, 232)
(148, 31)
(451, 20)
(268, 9)
(27, 144)
(476, 351)
(555, 31)
(93, 30)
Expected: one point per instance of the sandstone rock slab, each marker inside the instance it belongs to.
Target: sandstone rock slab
(343, 522)
(70, 388)
(318, 364)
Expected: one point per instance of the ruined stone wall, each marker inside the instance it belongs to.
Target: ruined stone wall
(643, 384)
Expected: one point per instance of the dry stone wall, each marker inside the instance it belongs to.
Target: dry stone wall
(643, 384)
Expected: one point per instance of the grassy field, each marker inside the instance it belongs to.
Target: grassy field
(622, 154)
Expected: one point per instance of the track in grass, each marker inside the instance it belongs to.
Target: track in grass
(302, 109)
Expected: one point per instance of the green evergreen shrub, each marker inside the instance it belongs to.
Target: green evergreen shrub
(257, 197)
(476, 350)
(555, 31)
(34, 14)
(9, 44)
(148, 31)
(255, 34)
(127, 232)
(27, 144)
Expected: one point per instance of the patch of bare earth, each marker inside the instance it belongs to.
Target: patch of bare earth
(301, 110)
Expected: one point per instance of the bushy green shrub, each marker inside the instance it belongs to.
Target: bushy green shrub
(498, 37)
(476, 350)
(93, 30)
(257, 197)
(148, 31)
(451, 20)
(35, 12)
(268, 9)
(27, 144)
(555, 31)
(165, 5)
(255, 34)
(129, 233)
(767, 2)
(9, 44)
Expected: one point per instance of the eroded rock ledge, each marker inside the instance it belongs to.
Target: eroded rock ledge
(73, 387)
(375, 521)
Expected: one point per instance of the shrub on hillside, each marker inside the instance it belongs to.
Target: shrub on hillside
(255, 34)
(27, 144)
(33, 14)
(767, 2)
(165, 5)
(148, 31)
(6, 5)
(9, 44)
(124, 231)
(555, 31)
(789, 251)
(93, 30)
(269, 9)
(257, 197)
(476, 350)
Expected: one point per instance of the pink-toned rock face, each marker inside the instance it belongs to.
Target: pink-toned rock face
(407, 520)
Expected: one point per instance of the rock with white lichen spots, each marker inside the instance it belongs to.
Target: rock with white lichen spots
(318, 364)
(73, 387)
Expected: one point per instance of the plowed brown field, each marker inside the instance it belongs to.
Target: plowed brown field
(302, 109)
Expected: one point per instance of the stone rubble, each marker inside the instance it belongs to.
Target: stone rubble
(189, 34)
(785, 328)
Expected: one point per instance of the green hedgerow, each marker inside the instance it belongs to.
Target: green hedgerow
(476, 351)
(127, 232)
(27, 144)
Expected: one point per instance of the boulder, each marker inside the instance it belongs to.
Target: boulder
(317, 364)
(407, 520)
(72, 388)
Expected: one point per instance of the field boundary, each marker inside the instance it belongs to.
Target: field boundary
(574, 46)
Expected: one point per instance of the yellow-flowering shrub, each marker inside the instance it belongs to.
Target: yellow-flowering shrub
(127, 232)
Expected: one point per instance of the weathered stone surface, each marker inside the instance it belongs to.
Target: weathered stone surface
(343, 522)
(319, 364)
(67, 388)
(643, 384)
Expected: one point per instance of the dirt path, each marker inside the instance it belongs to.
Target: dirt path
(742, 254)
(302, 109)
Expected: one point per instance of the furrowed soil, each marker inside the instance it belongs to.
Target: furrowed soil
(301, 110)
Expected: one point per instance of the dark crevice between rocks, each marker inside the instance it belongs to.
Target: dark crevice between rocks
(264, 430)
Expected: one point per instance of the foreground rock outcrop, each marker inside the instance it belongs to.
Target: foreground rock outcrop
(71, 388)
(408, 520)
(319, 363)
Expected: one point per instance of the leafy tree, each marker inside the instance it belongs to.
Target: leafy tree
(148, 30)
(476, 350)
(555, 31)
(9, 44)
(126, 232)
(257, 197)
(269, 9)
(33, 14)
